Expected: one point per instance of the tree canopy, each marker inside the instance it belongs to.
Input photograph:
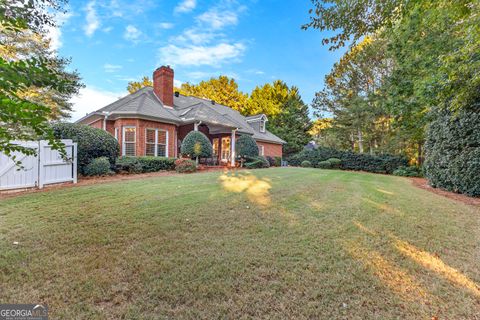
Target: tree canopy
(35, 86)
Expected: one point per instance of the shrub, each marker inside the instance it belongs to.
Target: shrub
(278, 161)
(306, 164)
(452, 151)
(350, 160)
(245, 146)
(144, 164)
(196, 145)
(257, 162)
(410, 171)
(128, 164)
(154, 164)
(98, 167)
(335, 163)
(271, 161)
(185, 166)
(91, 143)
(324, 165)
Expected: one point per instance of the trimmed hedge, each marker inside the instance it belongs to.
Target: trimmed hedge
(306, 164)
(144, 164)
(98, 167)
(335, 163)
(324, 164)
(257, 162)
(196, 144)
(411, 171)
(350, 160)
(452, 151)
(92, 143)
(185, 166)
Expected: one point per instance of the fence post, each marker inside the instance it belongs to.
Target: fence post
(74, 161)
(41, 177)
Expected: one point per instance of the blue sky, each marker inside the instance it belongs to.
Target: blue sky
(254, 41)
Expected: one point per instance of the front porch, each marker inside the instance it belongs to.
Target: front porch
(222, 138)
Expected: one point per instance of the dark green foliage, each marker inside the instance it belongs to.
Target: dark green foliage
(278, 161)
(411, 171)
(196, 144)
(323, 165)
(128, 164)
(306, 164)
(245, 146)
(335, 163)
(92, 142)
(292, 124)
(154, 164)
(257, 162)
(98, 167)
(185, 166)
(271, 161)
(144, 164)
(350, 160)
(453, 151)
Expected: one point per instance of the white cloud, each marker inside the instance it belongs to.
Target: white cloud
(91, 99)
(111, 67)
(195, 36)
(132, 33)
(93, 23)
(217, 19)
(201, 55)
(186, 6)
(165, 25)
(55, 33)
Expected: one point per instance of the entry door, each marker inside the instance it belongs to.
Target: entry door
(226, 149)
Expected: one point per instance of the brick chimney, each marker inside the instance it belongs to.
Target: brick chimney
(163, 85)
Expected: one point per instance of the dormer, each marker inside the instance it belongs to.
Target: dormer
(258, 122)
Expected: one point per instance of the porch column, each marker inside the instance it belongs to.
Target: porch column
(232, 145)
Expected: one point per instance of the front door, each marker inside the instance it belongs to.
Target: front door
(226, 149)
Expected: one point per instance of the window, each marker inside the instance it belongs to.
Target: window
(129, 141)
(261, 150)
(150, 142)
(156, 143)
(215, 147)
(262, 125)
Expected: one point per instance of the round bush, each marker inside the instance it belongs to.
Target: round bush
(452, 151)
(410, 171)
(98, 167)
(91, 142)
(306, 164)
(185, 166)
(128, 164)
(196, 144)
(246, 146)
(324, 165)
(335, 162)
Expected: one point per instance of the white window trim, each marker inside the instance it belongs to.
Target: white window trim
(261, 150)
(262, 126)
(123, 139)
(156, 141)
(116, 133)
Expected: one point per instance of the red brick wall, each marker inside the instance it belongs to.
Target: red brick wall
(141, 126)
(97, 124)
(271, 149)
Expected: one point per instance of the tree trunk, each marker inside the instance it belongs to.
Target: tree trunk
(196, 161)
(420, 154)
(360, 141)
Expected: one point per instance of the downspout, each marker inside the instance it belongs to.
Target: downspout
(105, 120)
(196, 124)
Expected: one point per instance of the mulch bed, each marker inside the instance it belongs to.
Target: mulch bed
(422, 183)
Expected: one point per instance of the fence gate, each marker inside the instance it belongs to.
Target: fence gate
(46, 167)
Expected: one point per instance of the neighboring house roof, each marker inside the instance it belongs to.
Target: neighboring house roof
(186, 109)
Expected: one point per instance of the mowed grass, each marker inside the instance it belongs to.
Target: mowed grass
(274, 243)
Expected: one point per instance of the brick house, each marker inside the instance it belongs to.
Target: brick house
(154, 121)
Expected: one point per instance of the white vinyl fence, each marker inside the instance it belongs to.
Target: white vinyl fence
(46, 167)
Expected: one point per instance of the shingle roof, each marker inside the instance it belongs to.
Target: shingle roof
(185, 110)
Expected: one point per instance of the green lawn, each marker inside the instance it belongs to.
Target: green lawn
(272, 243)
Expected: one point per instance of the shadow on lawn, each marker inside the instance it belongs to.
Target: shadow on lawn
(399, 280)
(257, 190)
